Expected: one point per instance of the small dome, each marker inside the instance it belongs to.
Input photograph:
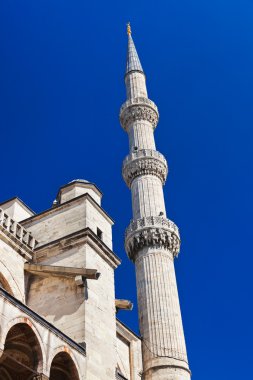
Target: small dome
(79, 180)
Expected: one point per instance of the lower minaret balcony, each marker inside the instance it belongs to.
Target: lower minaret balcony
(143, 162)
(151, 231)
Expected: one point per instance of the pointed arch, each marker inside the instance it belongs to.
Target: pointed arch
(23, 352)
(26, 321)
(64, 365)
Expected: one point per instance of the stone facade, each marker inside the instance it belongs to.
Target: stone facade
(58, 293)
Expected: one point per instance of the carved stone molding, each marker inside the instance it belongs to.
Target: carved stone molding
(142, 162)
(153, 231)
(138, 109)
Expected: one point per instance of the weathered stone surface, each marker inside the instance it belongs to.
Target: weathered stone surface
(76, 188)
(12, 270)
(135, 85)
(129, 356)
(16, 209)
(50, 340)
(60, 283)
(70, 217)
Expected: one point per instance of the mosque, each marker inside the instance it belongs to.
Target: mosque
(58, 312)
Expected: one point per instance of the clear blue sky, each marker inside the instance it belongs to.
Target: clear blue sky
(61, 86)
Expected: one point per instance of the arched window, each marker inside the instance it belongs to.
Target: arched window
(63, 368)
(22, 356)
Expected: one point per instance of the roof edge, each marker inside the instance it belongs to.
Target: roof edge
(20, 201)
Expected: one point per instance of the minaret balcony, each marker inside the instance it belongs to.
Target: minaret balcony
(143, 162)
(138, 109)
(152, 231)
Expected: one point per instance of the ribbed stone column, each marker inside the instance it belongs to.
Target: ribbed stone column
(152, 241)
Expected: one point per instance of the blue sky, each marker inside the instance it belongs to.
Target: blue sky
(61, 86)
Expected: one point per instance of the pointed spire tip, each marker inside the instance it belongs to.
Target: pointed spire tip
(129, 31)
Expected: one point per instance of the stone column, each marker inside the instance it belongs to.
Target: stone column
(152, 241)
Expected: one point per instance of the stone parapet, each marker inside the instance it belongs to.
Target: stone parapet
(17, 231)
(152, 231)
(138, 109)
(143, 162)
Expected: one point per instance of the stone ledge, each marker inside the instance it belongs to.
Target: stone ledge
(61, 271)
(62, 206)
(170, 362)
(83, 236)
(124, 331)
(121, 304)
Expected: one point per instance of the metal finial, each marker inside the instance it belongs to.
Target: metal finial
(129, 31)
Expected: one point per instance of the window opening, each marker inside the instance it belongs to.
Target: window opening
(99, 234)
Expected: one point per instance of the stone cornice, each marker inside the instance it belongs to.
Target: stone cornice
(143, 162)
(138, 109)
(156, 232)
(73, 183)
(64, 205)
(80, 237)
(22, 203)
(124, 331)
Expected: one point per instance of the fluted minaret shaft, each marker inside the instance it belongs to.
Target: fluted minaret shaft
(152, 241)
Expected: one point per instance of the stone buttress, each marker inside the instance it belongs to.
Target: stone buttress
(152, 241)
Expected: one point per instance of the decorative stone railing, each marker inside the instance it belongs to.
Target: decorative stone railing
(16, 230)
(143, 162)
(138, 109)
(143, 153)
(136, 101)
(152, 231)
(151, 221)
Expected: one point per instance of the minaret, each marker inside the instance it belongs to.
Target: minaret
(152, 241)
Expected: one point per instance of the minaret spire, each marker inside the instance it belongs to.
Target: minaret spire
(152, 241)
(134, 77)
(133, 61)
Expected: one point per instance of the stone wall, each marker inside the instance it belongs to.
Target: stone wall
(12, 270)
(68, 218)
(83, 309)
(50, 340)
(129, 355)
(100, 321)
